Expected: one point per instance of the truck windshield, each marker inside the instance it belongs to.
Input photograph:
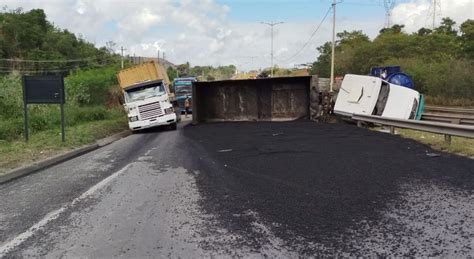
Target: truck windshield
(183, 87)
(381, 99)
(141, 93)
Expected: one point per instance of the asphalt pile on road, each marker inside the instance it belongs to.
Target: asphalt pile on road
(309, 181)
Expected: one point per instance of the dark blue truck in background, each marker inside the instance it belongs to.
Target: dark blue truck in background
(183, 88)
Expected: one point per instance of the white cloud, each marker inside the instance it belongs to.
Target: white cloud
(199, 31)
(418, 13)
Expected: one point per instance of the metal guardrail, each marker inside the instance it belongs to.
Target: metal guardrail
(447, 129)
(447, 118)
(449, 109)
(452, 115)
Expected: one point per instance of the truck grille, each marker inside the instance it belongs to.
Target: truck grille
(150, 110)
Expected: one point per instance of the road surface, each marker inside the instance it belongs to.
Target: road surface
(246, 190)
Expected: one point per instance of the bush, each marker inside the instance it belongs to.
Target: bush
(11, 129)
(90, 87)
(87, 94)
(11, 96)
(449, 79)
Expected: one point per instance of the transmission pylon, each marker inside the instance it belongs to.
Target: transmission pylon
(388, 4)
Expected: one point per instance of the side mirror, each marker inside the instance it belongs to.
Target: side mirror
(121, 100)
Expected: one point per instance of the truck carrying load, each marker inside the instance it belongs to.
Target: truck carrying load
(148, 71)
(147, 97)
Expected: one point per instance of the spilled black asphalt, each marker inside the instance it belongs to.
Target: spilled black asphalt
(333, 189)
(278, 190)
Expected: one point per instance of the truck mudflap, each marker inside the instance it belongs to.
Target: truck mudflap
(421, 105)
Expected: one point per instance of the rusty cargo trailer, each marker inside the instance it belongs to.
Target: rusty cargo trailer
(269, 99)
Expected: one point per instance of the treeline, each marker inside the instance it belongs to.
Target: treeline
(440, 61)
(29, 43)
(202, 73)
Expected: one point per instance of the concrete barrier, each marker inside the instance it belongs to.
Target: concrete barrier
(269, 99)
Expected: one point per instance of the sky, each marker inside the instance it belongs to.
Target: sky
(222, 32)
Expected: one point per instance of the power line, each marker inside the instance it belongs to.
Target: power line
(310, 38)
(46, 60)
(56, 70)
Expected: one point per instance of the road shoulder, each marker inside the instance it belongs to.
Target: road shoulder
(45, 163)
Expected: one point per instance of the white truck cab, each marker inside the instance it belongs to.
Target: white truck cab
(148, 105)
(371, 95)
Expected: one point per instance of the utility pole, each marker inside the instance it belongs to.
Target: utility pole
(122, 49)
(158, 59)
(164, 55)
(331, 85)
(271, 24)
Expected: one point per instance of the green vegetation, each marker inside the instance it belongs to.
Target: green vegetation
(46, 143)
(91, 109)
(459, 145)
(28, 36)
(90, 113)
(440, 61)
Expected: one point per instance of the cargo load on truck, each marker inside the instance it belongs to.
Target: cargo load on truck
(147, 98)
(148, 71)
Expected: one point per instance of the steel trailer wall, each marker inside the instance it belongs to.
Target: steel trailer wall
(270, 99)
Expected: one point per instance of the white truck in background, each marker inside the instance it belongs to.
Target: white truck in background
(146, 97)
(369, 95)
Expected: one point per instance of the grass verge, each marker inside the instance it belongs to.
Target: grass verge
(459, 145)
(48, 143)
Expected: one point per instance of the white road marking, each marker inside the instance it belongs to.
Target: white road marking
(18, 240)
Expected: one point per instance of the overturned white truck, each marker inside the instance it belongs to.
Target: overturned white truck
(369, 95)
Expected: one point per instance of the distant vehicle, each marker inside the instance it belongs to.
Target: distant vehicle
(183, 88)
(371, 95)
(147, 97)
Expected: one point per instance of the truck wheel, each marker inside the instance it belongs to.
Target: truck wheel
(173, 126)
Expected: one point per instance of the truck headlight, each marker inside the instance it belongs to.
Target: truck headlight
(133, 118)
(169, 110)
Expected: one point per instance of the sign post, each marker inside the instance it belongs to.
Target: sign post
(43, 90)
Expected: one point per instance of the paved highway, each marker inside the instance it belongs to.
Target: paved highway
(193, 193)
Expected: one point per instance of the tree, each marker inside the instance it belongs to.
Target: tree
(172, 73)
(183, 69)
(467, 38)
(30, 36)
(424, 31)
(396, 29)
(434, 60)
(447, 27)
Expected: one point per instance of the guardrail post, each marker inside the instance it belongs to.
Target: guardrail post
(392, 130)
(447, 139)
